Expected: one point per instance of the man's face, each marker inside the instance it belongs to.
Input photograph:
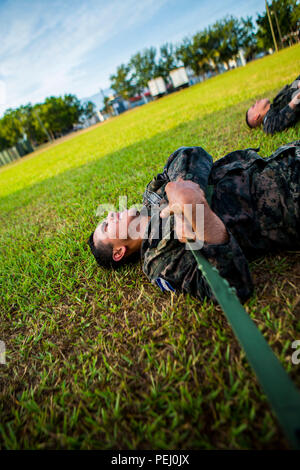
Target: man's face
(257, 112)
(114, 229)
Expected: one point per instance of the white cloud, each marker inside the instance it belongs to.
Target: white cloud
(51, 47)
(46, 45)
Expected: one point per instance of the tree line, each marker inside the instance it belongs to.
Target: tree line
(43, 122)
(204, 52)
(207, 51)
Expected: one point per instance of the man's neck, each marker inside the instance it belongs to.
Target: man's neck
(136, 243)
(266, 110)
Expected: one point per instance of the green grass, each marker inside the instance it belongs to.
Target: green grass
(103, 360)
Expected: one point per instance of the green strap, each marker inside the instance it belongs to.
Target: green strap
(281, 392)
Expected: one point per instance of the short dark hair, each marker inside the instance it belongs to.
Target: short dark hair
(247, 121)
(103, 254)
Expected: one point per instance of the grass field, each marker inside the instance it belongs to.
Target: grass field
(103, 360)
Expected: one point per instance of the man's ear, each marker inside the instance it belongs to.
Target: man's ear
(119, 253)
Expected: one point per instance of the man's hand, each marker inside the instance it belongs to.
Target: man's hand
(179, 194)
(295, 100)
(182, 193)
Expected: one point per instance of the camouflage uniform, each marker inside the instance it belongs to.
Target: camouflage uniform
(280, 115)
(257, 199)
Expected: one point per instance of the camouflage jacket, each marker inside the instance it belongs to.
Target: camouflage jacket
(256, 198)
(280, 115)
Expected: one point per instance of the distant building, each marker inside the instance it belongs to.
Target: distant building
(139, 100)
(193, 79)
(157, 86)
(242, 57)
(291, 38)
(117, 104)
(100, 116)
(179, 77)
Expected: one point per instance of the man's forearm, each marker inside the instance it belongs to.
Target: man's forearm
(215, 232)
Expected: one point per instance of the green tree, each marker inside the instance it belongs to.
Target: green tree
(193, 53)
(31, 125)
(167, 61)
(121, 82)
(287, 13)
(73, 110)
(144, 68)
(59, 114)
(185, 54)
(20, 123)
(38, 123)
(248, 39)
(205, 44)
(11, 130)
(50, 113)
(295, 16)
(107, 108)
(88, 110)
(226, 39)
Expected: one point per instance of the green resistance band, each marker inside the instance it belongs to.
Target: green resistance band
(281, 392)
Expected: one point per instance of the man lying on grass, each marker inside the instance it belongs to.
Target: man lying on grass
(251, 207)
(282, 113)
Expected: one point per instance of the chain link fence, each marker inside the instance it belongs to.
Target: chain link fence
(16, 152)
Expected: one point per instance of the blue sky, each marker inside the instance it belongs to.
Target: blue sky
(73, 46)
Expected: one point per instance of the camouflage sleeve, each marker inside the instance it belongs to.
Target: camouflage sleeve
(276, 121)
(189, 163)
(173, 264)
(232, 264)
